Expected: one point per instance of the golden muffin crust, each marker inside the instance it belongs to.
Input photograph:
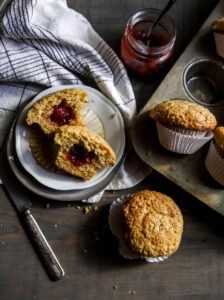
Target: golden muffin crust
(219, 137)
(183, 114)
(41, 111)
(67, 136)
(153, 224)
(218, 25)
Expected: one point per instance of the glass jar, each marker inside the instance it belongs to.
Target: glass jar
(145, 53)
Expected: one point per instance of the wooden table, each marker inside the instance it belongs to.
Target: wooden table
(83, 242)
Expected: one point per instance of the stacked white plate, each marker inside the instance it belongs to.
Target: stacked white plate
(65, 187)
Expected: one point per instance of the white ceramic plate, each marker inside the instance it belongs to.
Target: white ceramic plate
(114, 134)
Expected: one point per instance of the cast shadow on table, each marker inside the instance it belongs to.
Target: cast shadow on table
(103, 246)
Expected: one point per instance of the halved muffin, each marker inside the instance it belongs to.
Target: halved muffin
(64, 107)
(82, 152)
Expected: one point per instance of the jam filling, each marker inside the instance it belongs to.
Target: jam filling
(62, 114)
(79, 156)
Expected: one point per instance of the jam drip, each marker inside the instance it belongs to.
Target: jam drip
(79, 156)
(62, 114)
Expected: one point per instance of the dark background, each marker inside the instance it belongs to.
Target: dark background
(83, 243)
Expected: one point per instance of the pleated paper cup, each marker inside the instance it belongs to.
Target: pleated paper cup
(44, 149)
(215, 163)
(93, 122)
(219, 42)
(116, 223)
(182, 141)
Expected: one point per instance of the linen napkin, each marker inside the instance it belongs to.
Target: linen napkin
(43, 43)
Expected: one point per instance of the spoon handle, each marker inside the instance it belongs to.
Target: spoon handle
(165, 10)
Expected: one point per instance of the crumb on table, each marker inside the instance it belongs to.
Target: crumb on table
(86, 210)
(95, 207)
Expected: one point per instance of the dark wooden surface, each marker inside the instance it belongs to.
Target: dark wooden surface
(83, 242)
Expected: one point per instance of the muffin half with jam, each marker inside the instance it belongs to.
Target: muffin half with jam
(64, 107)
(82, 152)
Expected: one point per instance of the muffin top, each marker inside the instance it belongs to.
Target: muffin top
(218, 25)
(183, 114)
(153, 224)
(219, 137)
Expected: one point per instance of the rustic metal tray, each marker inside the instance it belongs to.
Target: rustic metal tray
(198, 76)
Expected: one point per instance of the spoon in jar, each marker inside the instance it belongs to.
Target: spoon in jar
(164, 11)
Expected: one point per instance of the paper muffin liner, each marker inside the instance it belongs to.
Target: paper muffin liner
(219, 42)
(215, 163)
(45, 151)
(93, 122)
(117, 227)
(182, 141)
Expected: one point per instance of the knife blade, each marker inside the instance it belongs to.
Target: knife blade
(21, 201)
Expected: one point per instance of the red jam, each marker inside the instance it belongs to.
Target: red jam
(79, 156)
(62, 114)
(144, 53)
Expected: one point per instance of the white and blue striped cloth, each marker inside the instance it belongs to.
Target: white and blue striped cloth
(44, 43)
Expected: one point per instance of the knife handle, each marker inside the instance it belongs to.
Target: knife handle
(49, 259)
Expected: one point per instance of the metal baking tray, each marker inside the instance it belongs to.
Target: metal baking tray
(198, 76)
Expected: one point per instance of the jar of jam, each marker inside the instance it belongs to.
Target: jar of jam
(143, 52)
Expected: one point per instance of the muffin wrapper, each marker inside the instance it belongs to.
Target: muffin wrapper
(117, 228)
(182, 141)
(93, 122)
(215, 164)
(45, 151)
(219, 42)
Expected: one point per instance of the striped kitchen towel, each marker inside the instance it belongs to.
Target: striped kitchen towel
(43, 43)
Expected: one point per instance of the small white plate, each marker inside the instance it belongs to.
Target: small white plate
(114, 134)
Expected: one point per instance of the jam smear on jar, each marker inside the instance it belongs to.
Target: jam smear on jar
(79, 156)
(62, 114)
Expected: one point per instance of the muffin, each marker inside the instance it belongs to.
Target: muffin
(82, 152)
(218, 31)
(214, 161)
(64, 107)
(183, 127)
(148, 225)
(39, 142)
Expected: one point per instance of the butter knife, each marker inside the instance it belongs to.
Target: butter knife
(18, 196)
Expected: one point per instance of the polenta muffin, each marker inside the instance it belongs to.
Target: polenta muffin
(183, 127)
(150, 225)
(64, 107)
(214, 161)
(218, 32)
(82, 152)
